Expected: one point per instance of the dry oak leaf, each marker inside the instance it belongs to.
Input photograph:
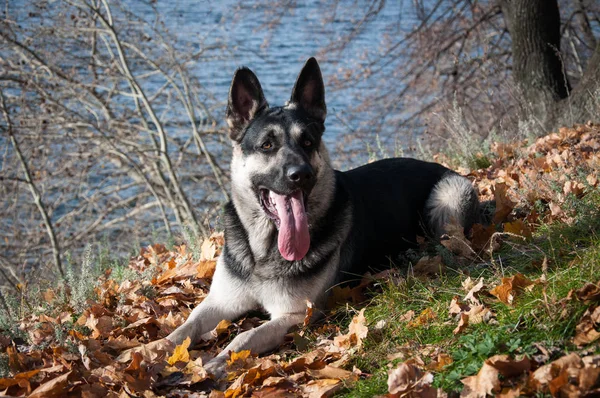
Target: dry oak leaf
(424, 318)
(456, 242)
(357, 331)
(504, 205)
(20, 379)
(407, 380)
(508, 289)
(519, 228)
(456, 307)
(321, 388)
(463, 323)
(585, 331)
(429, 266)
(473, 294)
(588, 293)
(544, 375)
(486, 381)
(481, 236)
(407, 316)
(440, 362)
(180, 354)
(53, 388)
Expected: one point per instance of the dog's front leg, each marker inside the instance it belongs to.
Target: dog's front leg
(258, 340)
(228, 299)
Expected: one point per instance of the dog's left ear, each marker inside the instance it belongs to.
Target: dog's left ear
(309, 91)
(246, 100)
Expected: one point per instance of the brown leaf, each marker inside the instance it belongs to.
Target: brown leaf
(407, 380)
(456, 307)
(407, 316)
(481, 236)
(462, 324)
(357, 331)
(585, 331)
(486, 382)
(574, 187)
(519, 228)
(309, 312)
(473, 294)
(426, 316)
(456, 241)
(429, 266)
(321, 388)
(543, 376)
(53, 388)
(504, 205)
(440, 362)
(588, 293)
(508, 289)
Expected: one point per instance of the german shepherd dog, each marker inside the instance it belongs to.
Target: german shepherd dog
(295, 227)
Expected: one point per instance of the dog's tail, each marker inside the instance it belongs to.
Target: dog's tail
(452, 200)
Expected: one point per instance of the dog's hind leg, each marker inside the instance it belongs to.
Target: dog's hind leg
(228, 299)
(258, 340)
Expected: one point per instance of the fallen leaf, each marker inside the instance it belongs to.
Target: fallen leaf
(407, 380)
(519, 228)
(508, 289)
(426, 316)
(407, 316)
(321, 388)
(357, 331)
(473, 294)
(504, 205)
(429, 266)
(486, 381)
(53, 388)
(462, 324)
(588, 293)
(585, 331)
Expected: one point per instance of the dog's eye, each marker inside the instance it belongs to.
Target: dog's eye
(307, 143)
(266, 145)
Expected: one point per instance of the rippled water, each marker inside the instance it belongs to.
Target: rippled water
(276, 55)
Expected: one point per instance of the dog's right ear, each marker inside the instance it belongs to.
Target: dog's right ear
(246, 99)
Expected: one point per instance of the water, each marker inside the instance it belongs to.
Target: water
(276, 55)
(231, 34)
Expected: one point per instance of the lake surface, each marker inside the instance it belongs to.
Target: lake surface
(276, 55)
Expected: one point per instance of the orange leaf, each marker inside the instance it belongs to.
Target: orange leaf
(180, 354)
(507, 291)
(518, 227)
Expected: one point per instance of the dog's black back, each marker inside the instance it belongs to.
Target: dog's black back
(388, 203)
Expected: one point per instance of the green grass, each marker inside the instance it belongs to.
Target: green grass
(539, 316)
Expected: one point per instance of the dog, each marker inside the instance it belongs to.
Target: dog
(295, 227)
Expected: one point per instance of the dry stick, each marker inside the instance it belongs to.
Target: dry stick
(34, 191)
(155, 166)
(198, 228)
(187, 103)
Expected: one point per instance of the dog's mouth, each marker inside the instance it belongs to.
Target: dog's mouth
(288, 212)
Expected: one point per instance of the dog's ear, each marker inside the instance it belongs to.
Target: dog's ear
(309, 91)
(246, 99)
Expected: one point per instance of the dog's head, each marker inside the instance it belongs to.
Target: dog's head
(278, 157)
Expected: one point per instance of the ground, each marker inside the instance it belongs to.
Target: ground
(510, 310)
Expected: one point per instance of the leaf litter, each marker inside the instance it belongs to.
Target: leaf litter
(115, 347)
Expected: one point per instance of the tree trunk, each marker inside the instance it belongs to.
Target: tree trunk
(534, 27)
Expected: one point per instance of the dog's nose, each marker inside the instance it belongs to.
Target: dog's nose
(300, 174)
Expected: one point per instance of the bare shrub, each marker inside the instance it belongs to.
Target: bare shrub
(105, 132)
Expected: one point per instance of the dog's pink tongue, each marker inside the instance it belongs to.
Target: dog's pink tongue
(293, 240)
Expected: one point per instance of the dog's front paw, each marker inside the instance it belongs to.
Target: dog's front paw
(216, 367)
